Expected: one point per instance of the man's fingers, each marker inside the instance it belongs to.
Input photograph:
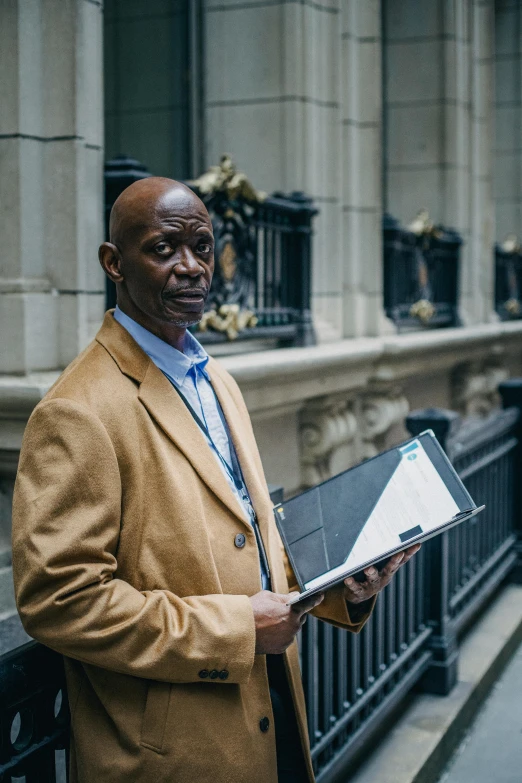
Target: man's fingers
(399, 560)
(357, 588)
(372, 575)
(393, 564)
(307, 604)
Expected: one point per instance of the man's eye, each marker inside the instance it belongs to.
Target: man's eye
(163, 249)
(204, 247)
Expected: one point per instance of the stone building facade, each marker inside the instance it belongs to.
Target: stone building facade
(366, 105)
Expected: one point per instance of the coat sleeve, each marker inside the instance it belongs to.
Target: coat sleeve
(66, 527)
(334, 609)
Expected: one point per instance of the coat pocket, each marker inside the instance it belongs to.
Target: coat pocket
(155, 716)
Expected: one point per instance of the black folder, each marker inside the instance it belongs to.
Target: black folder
(321, 526)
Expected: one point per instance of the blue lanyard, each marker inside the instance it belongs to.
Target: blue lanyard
(234, 471)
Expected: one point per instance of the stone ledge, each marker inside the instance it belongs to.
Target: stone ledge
(294, 361)
(418, 747)
(293, 375)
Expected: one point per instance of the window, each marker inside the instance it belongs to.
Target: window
(152, 84)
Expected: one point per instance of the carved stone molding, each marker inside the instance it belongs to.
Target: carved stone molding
(327, 428)
(474, 388)
(380, 410)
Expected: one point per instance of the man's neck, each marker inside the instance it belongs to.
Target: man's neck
(170, 333)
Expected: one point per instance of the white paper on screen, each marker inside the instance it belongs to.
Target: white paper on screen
(415, 495)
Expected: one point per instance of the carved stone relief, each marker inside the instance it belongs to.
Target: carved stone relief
(336, 432)
(474, 388)
(380, 410)
(327, 430)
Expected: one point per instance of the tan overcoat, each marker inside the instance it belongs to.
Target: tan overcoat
(124, 561)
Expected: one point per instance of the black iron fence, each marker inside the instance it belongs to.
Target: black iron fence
(421, 273)
(352, 683)
(34, 716)
(508, 280)
(263, 256)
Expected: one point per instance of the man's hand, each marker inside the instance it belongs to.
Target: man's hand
(277, 623)
(357, 592)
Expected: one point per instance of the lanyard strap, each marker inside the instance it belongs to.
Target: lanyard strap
(234, 471)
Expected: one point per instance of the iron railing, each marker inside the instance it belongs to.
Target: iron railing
(263, 256)
(34, 716)
(483, 551)
(508, 280)
(271, 242)
(352, 682)
(421, 273)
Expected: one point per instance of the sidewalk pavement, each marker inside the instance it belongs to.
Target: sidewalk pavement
(420, 743)
(492, 747)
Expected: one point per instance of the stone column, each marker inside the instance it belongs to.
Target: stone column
(273, 86)
(477, 280)
(438, 128)
(51, 125)
(51, 201)
(508, 118)
(362, 169)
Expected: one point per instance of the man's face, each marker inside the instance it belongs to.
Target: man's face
(167, 259)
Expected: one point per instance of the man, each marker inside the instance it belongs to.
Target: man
(143, 534)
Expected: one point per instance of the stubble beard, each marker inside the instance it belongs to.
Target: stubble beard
(184, 323)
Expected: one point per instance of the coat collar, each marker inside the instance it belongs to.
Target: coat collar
(169, 411)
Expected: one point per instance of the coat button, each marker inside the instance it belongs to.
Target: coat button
(203, 674)
(213, 674)
(240, 540)
(264, 724)
(223, 675)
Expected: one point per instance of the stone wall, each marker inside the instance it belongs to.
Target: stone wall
(294, 91)
(51, 157)
(317, 411)
(438, 128)
(508, 118)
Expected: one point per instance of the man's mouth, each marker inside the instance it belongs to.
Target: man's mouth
(188, 293)
(187, 297)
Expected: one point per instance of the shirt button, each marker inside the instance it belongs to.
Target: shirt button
(223, 675)
(213, 674)
(264, 724)
(240, 540)
(203, 674)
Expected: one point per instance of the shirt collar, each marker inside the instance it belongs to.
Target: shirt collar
(169, 360)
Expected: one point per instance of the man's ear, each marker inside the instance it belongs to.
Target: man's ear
(110, 260)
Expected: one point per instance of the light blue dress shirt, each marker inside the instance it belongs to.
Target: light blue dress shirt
(187, 372)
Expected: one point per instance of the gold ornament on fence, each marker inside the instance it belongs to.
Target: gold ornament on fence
(225, 178)
(511, 244)
(513, 307)
(229, 319)
(424, 310)
(228, 262)
(424, 226)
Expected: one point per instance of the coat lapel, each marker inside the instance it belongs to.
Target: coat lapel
(168, 409)
(255, 483)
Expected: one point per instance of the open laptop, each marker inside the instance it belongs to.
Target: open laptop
(366, 514)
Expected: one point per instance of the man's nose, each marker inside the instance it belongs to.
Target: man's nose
(187, 263)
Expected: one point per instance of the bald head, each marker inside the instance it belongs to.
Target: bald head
(137, 206)
(160, 256)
